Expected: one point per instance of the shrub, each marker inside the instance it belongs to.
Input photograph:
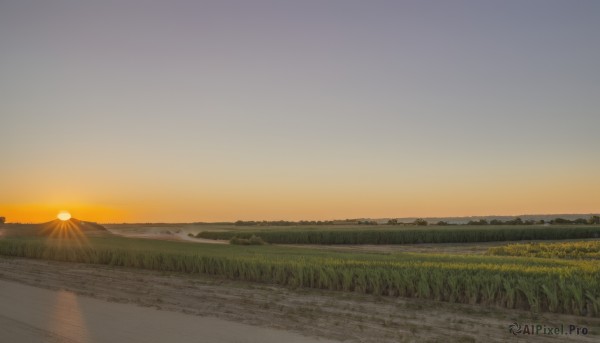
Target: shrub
(253, 240)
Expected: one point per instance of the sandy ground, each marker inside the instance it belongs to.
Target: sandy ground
(102, 303)
(31, 314)
(169, 233)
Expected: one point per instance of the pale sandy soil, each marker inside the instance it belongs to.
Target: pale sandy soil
(32, 314)
(138, 303)
(169, 233)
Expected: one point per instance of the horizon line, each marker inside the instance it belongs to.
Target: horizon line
(323, 220)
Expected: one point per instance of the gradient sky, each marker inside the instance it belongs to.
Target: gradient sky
(223, 110)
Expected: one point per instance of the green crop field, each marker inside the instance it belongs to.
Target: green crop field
(384, 234)
(568, 250)
(554, 285)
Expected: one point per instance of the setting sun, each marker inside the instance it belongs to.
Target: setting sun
(63, 215)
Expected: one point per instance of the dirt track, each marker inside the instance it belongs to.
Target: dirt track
(312, 313)
(31, 314)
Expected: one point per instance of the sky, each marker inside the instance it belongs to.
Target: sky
(182, 111)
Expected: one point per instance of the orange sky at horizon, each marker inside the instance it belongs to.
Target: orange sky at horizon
(300, 193)
(326, 206)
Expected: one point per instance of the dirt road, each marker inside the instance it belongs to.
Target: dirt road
(31, 314)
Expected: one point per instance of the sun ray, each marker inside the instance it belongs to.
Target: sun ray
(65, 232)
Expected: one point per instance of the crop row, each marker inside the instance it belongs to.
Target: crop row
(425, 235)
(568, 250)
(556, 286)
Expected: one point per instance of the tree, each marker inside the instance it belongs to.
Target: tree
(478, 222)
(420, 222)
(516, 221)
(561, 221)
(2, 220)
(392, 222)
(442, 223)
(594, 220)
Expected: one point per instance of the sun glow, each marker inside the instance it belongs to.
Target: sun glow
(64, 215)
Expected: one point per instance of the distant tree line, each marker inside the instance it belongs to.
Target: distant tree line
(591, 220)
(418, 222)
(519, 221)
(2, 220)
(515, 221)
(282, 222)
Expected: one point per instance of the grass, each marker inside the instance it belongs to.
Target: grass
(408, 235)
(569, 250)
(563, 286)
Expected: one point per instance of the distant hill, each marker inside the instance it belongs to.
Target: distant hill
(85, 226)
(72, 228)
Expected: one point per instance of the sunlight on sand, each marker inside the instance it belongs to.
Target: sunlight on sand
(67, 317)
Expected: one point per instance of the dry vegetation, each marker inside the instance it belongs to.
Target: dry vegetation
(589, 250)
(512, 282)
